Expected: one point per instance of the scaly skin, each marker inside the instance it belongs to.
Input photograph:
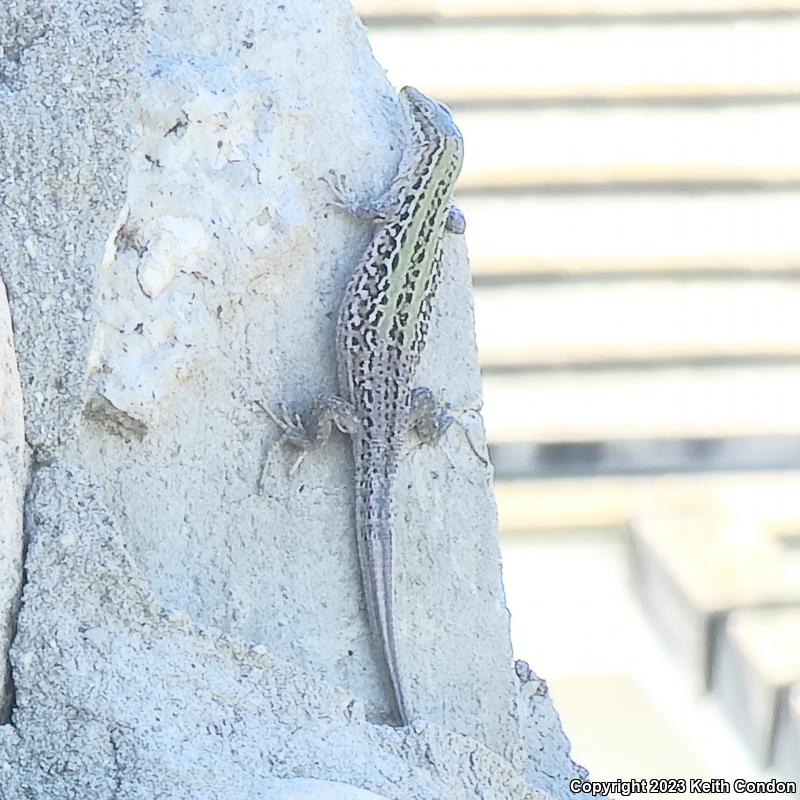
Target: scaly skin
(381, 332)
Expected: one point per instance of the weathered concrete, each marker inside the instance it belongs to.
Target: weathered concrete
(12, 487)
(67, 75)
(118, 697)
(202, 279)
(303, 789)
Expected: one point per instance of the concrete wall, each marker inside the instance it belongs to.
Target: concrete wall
(173, 260)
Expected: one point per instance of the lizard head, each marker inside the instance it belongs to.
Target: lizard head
(434, 126)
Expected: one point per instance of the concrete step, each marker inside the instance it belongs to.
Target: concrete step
(378, 10)
(756, 664)
(591, 503)
(603, 232)
(693, 567)
(670, 403)
(534, 324)
(592, 146)
(491, 63)
(604, 662)
(524, 460)
(787, 737)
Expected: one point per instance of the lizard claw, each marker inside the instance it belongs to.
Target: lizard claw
(346, 199)
(343, 195)
(292, 430)
(308, 431)
(281, 418)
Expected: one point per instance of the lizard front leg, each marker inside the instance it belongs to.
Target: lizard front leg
(456, 221)
(374, 209)
(383, 207)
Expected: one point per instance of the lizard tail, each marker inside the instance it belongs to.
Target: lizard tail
(375, 534)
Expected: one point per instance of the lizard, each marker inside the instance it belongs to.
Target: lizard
(381, 331)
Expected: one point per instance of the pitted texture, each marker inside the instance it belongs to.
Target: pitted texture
(13, 481)
(172, 258)
(64, 135)
(120, 698)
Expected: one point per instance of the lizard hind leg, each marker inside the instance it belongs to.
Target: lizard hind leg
(310, 430)
(431, 420)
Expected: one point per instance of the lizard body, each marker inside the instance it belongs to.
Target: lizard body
(380, 335)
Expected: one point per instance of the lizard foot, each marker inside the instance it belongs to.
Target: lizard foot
(309, 430)
(431, 419)
(381, 208)
(456, 221)
(373, 209)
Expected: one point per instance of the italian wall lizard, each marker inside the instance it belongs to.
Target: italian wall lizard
(380, 335)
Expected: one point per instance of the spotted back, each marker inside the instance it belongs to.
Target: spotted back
(385, 314)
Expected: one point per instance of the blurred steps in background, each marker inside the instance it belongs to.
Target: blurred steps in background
(576, 235)
(723, 587)
(632, 60)
(578, 10)
(756, 664)
(632, 193)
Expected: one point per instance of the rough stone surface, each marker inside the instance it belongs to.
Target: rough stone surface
(219, 288)
(118, 697)
(302, 789)
(67, 73)
(12, 486)
(173, 261)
